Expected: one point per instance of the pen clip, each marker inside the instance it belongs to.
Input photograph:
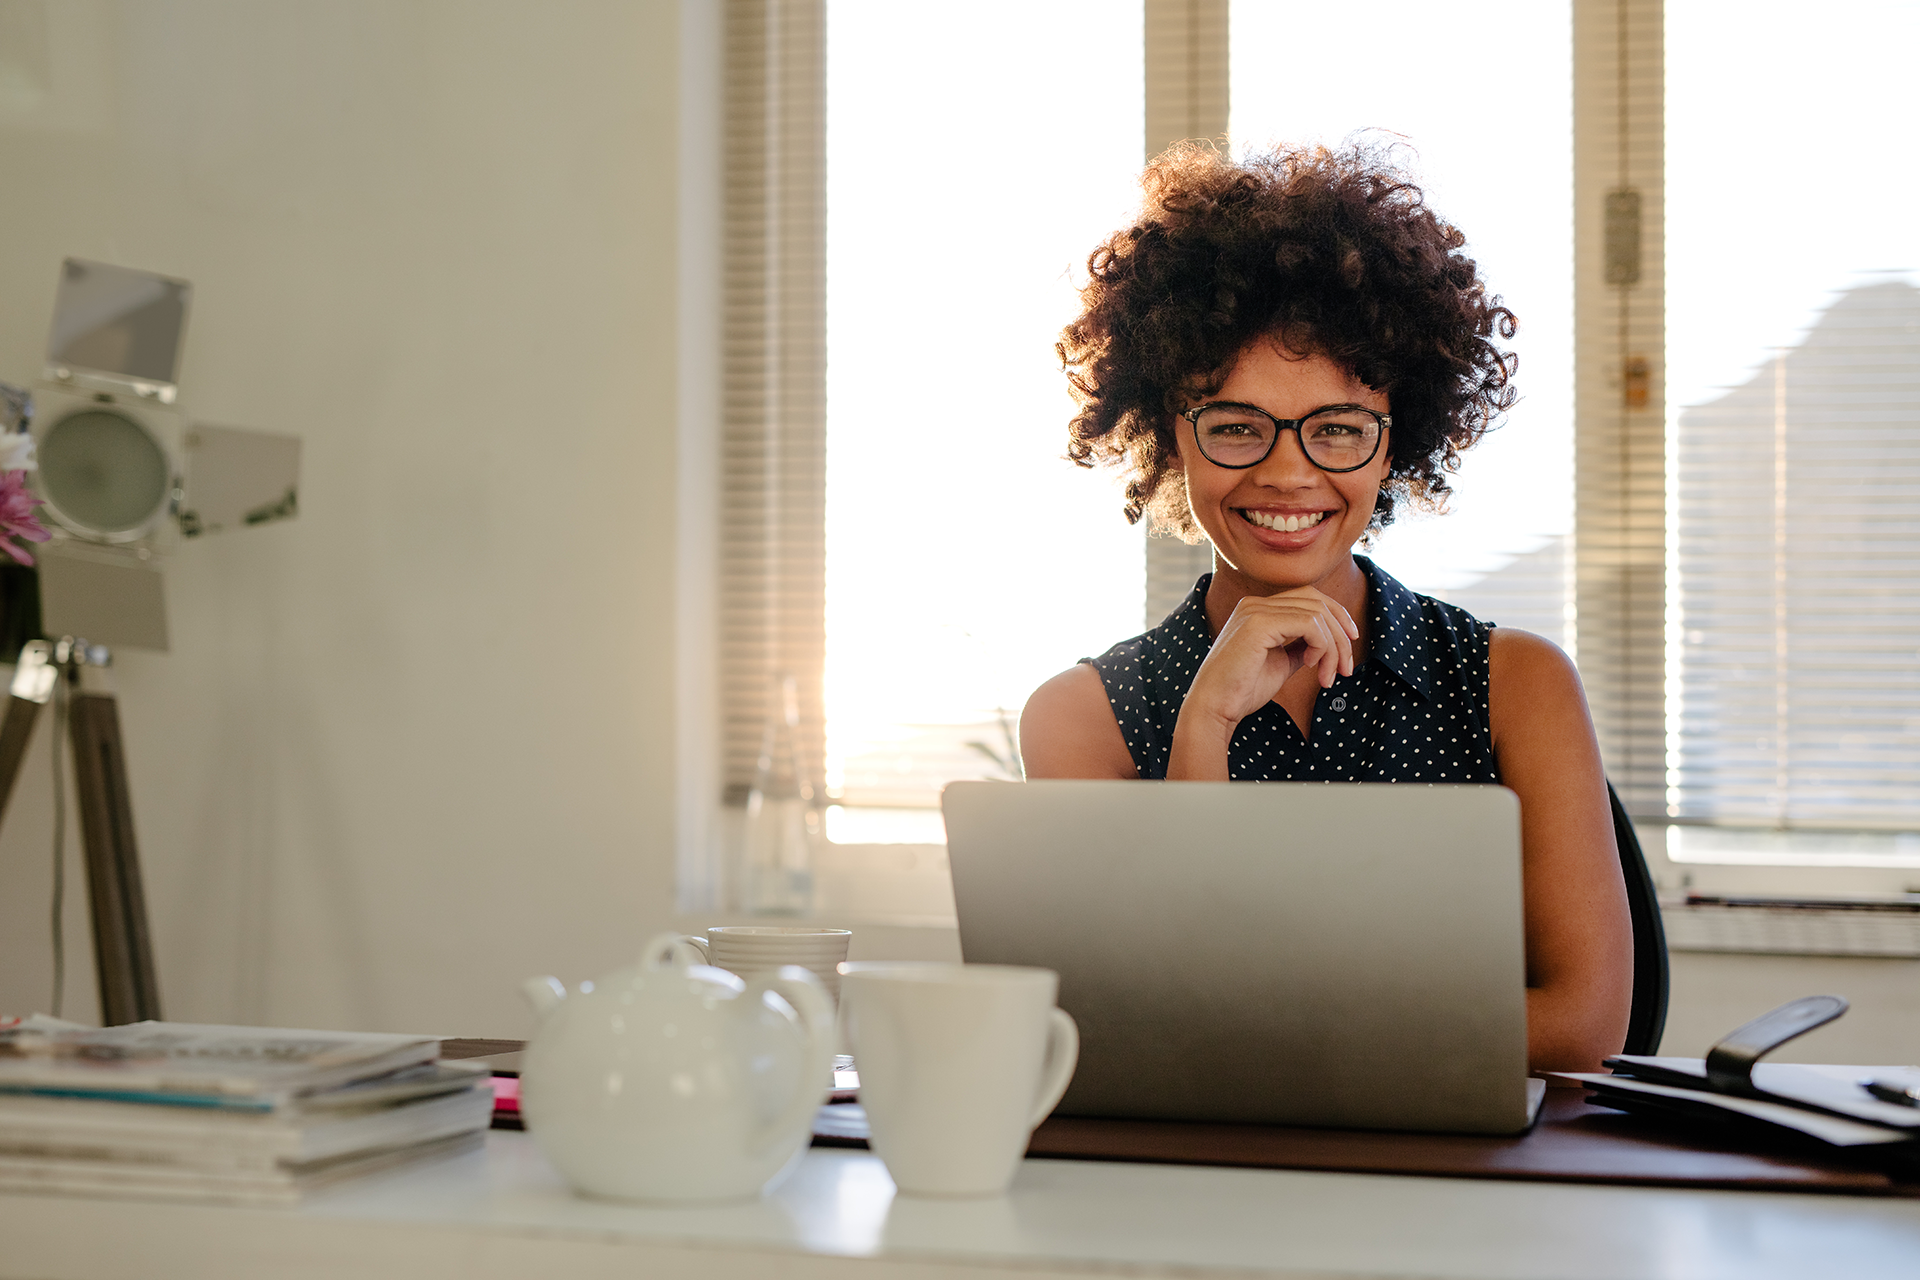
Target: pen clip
(1887, 1091)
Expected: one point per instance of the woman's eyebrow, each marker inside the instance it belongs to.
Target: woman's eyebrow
(1319, 408)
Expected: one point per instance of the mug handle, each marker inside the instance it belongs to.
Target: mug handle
(670, 951)
(799, 988)
(1063, 1055)
(699, 943)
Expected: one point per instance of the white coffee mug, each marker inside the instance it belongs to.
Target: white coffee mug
(957, 1063)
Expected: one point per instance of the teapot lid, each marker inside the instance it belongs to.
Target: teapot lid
(670, 952)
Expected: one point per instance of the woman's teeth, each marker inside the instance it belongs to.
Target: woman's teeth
(1284, 524)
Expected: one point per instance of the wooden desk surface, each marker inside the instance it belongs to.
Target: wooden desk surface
(502, 1212)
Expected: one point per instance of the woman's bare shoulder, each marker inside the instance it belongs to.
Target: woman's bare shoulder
(1527, 661)
(1067, 730)
(1534, 690)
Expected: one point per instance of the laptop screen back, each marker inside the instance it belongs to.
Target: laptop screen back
(1294, 953)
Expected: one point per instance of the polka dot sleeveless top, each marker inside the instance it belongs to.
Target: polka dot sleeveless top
(1414, 711)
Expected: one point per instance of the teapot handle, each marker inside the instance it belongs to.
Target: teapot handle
(671, 950)
(803, 991)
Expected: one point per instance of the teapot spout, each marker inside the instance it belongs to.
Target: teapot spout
(544, 994)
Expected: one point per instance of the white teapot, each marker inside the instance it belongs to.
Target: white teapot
(670, 1080)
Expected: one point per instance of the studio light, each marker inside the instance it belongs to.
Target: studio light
(123, 478)
(123, 475)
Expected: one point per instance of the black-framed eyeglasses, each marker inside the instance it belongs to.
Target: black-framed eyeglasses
(1335, 437)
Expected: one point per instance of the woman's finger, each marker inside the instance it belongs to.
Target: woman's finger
(1315, 657)
(1336, 654)
(1340, 623)
(1315, 645)
(1308, 597)
(1338, 659)
(1291, 622)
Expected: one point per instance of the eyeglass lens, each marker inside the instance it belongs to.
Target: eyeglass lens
(1337, 439)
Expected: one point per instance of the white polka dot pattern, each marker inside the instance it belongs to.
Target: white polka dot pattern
(1414, 711)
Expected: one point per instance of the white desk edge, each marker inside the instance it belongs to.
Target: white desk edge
(501, 1212)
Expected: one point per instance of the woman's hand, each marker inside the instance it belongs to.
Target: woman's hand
(1266, 641)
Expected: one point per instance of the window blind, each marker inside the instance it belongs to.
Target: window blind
(1799, 580)
(773, 450)
(1619, 388)
(1186, 97)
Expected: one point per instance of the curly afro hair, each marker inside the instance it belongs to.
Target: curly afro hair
(1332, 252)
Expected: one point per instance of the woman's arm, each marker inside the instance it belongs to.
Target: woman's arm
(1067, 730)
(1579, 935)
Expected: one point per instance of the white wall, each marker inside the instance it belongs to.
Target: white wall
(417, 744)
(1713, 993)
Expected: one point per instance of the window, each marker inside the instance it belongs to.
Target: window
(1703, 492)
(896, 732)
(1793, 654)
(1498, 164)
(975, 155)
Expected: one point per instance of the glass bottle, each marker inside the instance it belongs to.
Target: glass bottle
(783, 815)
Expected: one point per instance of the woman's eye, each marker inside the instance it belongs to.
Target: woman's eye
(1231, 430)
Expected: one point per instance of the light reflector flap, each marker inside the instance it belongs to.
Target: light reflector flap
(121, 322)
(237, 478)
(104, 595)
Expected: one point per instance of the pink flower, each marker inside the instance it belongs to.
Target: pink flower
(17, 517)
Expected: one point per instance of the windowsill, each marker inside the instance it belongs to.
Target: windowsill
(1694, 845)
(906, 888)
(1787, 927)
(877, 824)
(1796, 865)
(903, 886)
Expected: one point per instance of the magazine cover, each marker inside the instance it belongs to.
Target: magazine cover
(194, 1064)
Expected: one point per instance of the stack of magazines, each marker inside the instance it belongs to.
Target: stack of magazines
(241, 1115)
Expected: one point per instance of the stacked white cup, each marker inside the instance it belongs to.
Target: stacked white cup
(748, 950)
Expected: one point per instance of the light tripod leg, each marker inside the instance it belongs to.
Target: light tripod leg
(123, 951)
(32, 685)
(122, 947)
(15, 732)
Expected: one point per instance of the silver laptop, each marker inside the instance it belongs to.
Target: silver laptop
(1345, 955)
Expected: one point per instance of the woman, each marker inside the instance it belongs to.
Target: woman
(1279, 353)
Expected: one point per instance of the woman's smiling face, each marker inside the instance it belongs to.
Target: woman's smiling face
(1284, 523)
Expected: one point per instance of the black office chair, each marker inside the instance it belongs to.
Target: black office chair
(1648, 1019)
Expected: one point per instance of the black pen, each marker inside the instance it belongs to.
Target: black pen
(1887, 1091)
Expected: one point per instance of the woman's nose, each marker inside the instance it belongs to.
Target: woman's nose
(1287, 466)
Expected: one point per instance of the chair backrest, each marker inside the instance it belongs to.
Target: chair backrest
(1650, 979)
